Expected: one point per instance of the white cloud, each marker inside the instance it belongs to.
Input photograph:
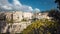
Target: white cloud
(31, 8)
(19, 6)
(4, 2)
(6, 7)
(36, 9)
(16, 5)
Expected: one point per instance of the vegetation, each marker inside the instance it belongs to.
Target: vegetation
(43, 26)
(56, 17)
(58, 2)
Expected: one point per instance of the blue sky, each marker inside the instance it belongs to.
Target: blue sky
(41, 4)
(27, 5)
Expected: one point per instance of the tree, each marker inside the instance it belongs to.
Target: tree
(55, 14)
(58, 2)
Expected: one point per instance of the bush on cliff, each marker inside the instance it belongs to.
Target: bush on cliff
(43, 26)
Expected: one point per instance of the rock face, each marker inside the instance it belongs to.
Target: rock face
(13, 27)
(17, 16)
(13, 22)
(10, 22)
(3, 25)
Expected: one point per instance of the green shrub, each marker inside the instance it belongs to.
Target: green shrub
(41, 27)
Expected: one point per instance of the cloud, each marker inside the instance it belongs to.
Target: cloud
(36, 9)
(5, 5)
(19, 6)
(15, 5)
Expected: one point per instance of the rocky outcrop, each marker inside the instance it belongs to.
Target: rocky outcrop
(13, 27)
(15, 22)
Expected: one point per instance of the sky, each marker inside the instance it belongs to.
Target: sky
(27, 5)
(41, 4)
